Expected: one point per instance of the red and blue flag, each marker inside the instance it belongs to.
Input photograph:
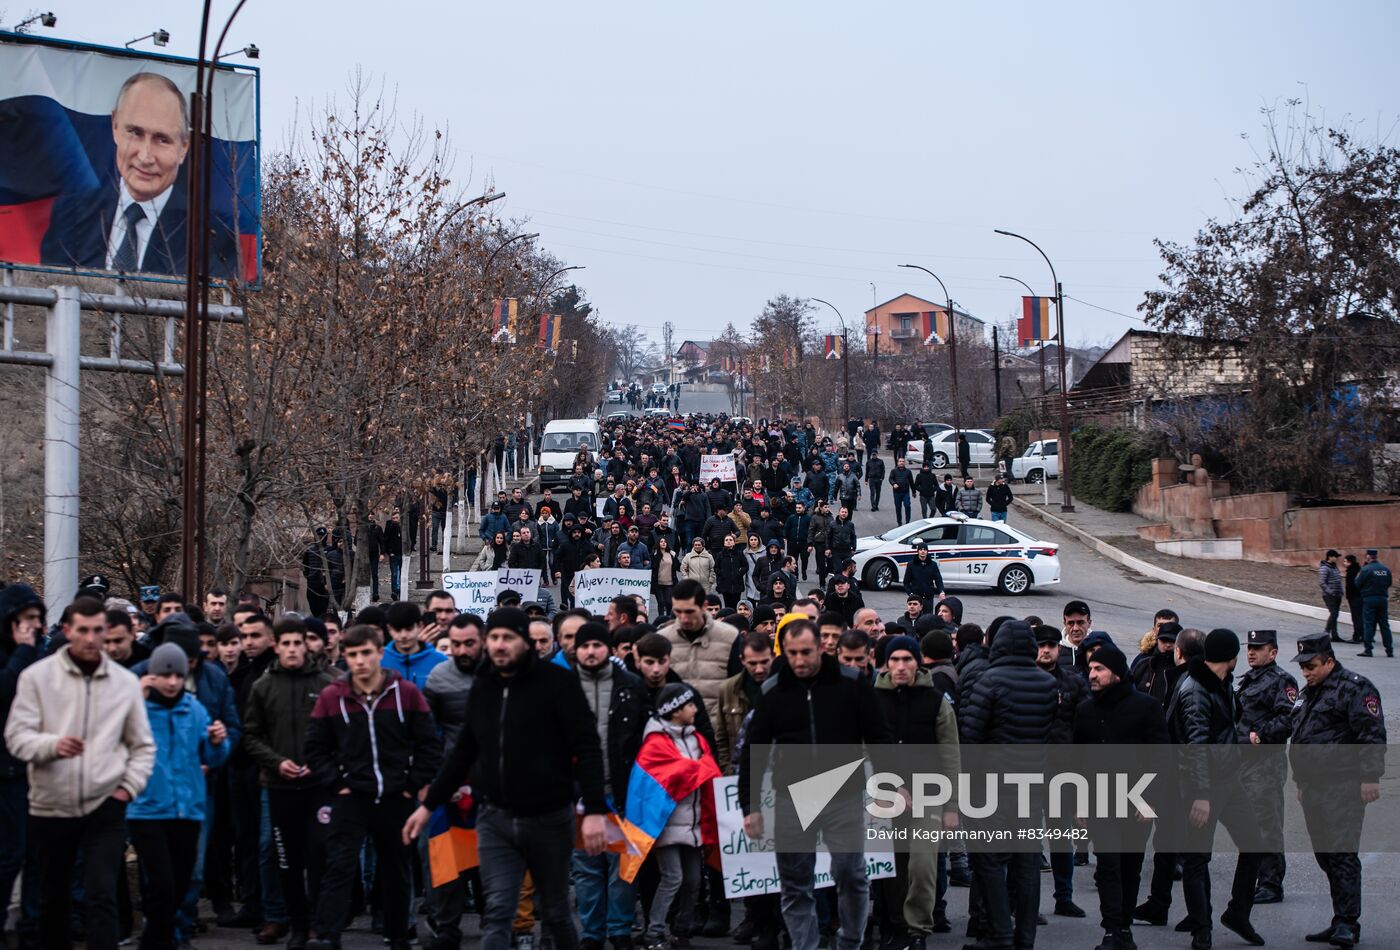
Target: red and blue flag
(452, 839)
(661, 778)
(1034, 325)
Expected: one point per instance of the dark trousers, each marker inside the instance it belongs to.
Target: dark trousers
(663, 599)
(1358, 616)
(1236, 812)
(167, 852)
(1333, 603)
(14, 822)
(803, 553)
(732, 598)
(875, 489)
(1375, 614)
(1334, 814)
(508, 846)
(566, 596)
(927, 509)
(99, 839)
(823, 563)
(354, 818)
(245, 814)
(299, 839)
(997, 875)
(1117, 876)
(902, 511)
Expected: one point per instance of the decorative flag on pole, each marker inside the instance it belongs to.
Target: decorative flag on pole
(452, 840)
(766, 365)
(551, 331)
(834, 346)
(1034, 325)
(933, 326)
(504, 317)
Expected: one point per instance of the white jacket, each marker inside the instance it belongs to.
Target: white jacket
(106, 710)
(683, 827)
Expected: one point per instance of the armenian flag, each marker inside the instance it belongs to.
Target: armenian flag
(834, 347)
(676, 424)
(662, 777)
(551, 331)
(1034, 325)
(452, 839)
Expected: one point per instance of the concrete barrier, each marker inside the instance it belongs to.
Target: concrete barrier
(1179, 580)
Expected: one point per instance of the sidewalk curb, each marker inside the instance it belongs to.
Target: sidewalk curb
(1171, 577)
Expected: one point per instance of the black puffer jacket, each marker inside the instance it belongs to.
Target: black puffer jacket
(971, 664)
(731, 568)
(923, 578)
(1014, 701)
(1203, 713)
(842, 537)
(13, 661)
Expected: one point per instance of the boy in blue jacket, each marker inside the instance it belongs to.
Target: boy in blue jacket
(164, 819)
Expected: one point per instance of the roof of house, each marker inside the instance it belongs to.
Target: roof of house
(934, 306)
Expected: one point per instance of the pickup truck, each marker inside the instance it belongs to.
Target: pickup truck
(1039, 459)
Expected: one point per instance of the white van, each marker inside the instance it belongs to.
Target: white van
(559, 447)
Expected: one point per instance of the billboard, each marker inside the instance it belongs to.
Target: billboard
(94, 158)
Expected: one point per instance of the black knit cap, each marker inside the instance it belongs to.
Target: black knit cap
(1110, 656)
(1221, 646)
(591, 631)
(509, 618)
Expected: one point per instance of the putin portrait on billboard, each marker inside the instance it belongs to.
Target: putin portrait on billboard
(107, 192)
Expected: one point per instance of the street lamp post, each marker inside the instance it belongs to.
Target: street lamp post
(952, 344)
(845, 363)
(1030, 291)
(1068, 502)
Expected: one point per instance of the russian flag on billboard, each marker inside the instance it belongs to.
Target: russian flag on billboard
(452, 839)
(833, 346)
(1034, 325)
(661, 777)
(65, 107)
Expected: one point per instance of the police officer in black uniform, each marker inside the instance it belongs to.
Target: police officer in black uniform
(1337, 710)
(1266, 695)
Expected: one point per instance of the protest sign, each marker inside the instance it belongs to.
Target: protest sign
(718, 466)
(593, 589)
(523, 580)
(472, 591)
(751, 867)
(476, 591)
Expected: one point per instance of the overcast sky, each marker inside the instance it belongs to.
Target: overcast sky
(699, 158)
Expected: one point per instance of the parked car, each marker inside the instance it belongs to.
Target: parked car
(1039, 461)
(659, 389)
(614, 395)
(970, 553)
(980, 442)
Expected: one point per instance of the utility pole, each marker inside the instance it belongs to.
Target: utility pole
(996, 365)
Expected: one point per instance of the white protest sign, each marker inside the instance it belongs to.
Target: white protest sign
(599, 505)
(593, 589)
(472, 591)
(751, 867)
(718, 466)
(476, 591)
(523, 580)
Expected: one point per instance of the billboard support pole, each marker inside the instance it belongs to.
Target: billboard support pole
(61, 450)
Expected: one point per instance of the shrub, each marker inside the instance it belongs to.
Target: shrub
(1108, 466)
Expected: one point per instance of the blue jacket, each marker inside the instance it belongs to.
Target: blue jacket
(215, 693)
(1373, 581)
(491, 522)
(176, 787)
(641, 556)
(413, 667)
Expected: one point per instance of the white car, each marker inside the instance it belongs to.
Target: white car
(656, 411)
(970, 553)
(617, 416)
(615, 395)
(981, 449)
(1039, 460)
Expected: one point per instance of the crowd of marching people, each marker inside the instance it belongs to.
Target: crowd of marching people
(285, 776)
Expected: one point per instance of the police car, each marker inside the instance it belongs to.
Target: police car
(970, 553)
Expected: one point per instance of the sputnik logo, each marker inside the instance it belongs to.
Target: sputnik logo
(811, 795)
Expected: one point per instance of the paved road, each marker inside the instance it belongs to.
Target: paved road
(1123, 604)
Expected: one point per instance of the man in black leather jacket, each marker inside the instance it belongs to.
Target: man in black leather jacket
(1202, 715)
